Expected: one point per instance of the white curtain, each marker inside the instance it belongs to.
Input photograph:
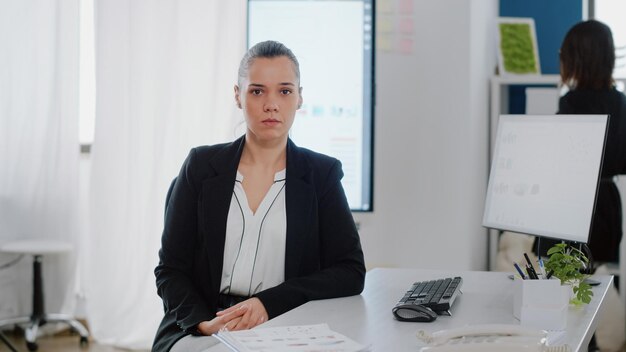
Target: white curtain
(38, 145)
(165, 73)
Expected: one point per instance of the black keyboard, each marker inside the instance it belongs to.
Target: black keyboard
(438, 295)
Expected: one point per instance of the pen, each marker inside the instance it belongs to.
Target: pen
(531, 269)
(519, 270)
(542, 268)
(531, 272)
(549, 274)
(529, 262)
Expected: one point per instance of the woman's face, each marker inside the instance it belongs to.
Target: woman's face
(269, 97)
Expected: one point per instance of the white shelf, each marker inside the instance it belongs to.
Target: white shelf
(526, 79)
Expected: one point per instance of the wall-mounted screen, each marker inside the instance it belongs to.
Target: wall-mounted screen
(544, 175)
(334, 44)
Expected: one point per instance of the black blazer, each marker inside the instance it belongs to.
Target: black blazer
(323, 256)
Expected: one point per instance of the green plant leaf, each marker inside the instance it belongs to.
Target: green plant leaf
(559, 247)
(565, 262)
(583, 292)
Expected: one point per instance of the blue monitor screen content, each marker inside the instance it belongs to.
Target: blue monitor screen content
(544, 175)
(333, 41)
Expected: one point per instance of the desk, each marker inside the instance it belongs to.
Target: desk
(487, 298)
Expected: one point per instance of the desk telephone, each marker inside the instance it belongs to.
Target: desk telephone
(488, 338)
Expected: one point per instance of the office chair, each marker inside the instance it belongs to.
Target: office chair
(38, 317)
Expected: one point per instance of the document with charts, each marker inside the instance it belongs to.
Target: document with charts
(306, 338)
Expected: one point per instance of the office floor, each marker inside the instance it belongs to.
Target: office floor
(63, 342)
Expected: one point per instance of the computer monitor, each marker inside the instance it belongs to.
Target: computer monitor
(544, 175)
(334, 44)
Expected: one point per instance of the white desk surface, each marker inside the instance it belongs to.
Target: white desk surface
(487, 299)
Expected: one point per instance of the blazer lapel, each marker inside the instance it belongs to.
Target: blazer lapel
(217, 193)
(299, 198)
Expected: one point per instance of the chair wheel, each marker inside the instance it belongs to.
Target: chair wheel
(84, 341)
(32, 346)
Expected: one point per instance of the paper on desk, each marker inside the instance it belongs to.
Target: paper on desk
(306, 338)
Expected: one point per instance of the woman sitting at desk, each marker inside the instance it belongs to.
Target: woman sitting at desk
(587, 61)
(258, 226)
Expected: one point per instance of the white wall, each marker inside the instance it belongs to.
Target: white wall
(431, 138)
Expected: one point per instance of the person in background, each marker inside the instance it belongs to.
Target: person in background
(258, 226)
(587, 60)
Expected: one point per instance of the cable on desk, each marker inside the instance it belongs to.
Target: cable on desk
(11, 263)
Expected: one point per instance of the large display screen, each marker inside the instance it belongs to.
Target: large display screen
(544, 175)
(334, 44)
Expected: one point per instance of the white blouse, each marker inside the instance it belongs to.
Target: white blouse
(254, 252)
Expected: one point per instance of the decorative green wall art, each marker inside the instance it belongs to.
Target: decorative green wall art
(517, 46)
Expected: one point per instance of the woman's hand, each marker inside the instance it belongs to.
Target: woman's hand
(254, 314)
(227, 320)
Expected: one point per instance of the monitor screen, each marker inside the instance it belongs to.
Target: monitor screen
(544, 175)
(334, 45)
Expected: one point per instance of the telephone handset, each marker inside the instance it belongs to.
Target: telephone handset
(488, 338)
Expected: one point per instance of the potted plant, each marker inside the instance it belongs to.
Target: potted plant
(565, 263)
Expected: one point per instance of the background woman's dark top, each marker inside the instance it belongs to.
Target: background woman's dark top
(606, 232)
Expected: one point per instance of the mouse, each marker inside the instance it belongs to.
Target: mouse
(414, 312)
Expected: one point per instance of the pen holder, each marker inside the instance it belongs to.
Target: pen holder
(541, 304)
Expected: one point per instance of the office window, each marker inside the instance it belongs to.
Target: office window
(612, 13)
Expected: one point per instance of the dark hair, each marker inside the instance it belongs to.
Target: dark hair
(267, 49)
(588, 56)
